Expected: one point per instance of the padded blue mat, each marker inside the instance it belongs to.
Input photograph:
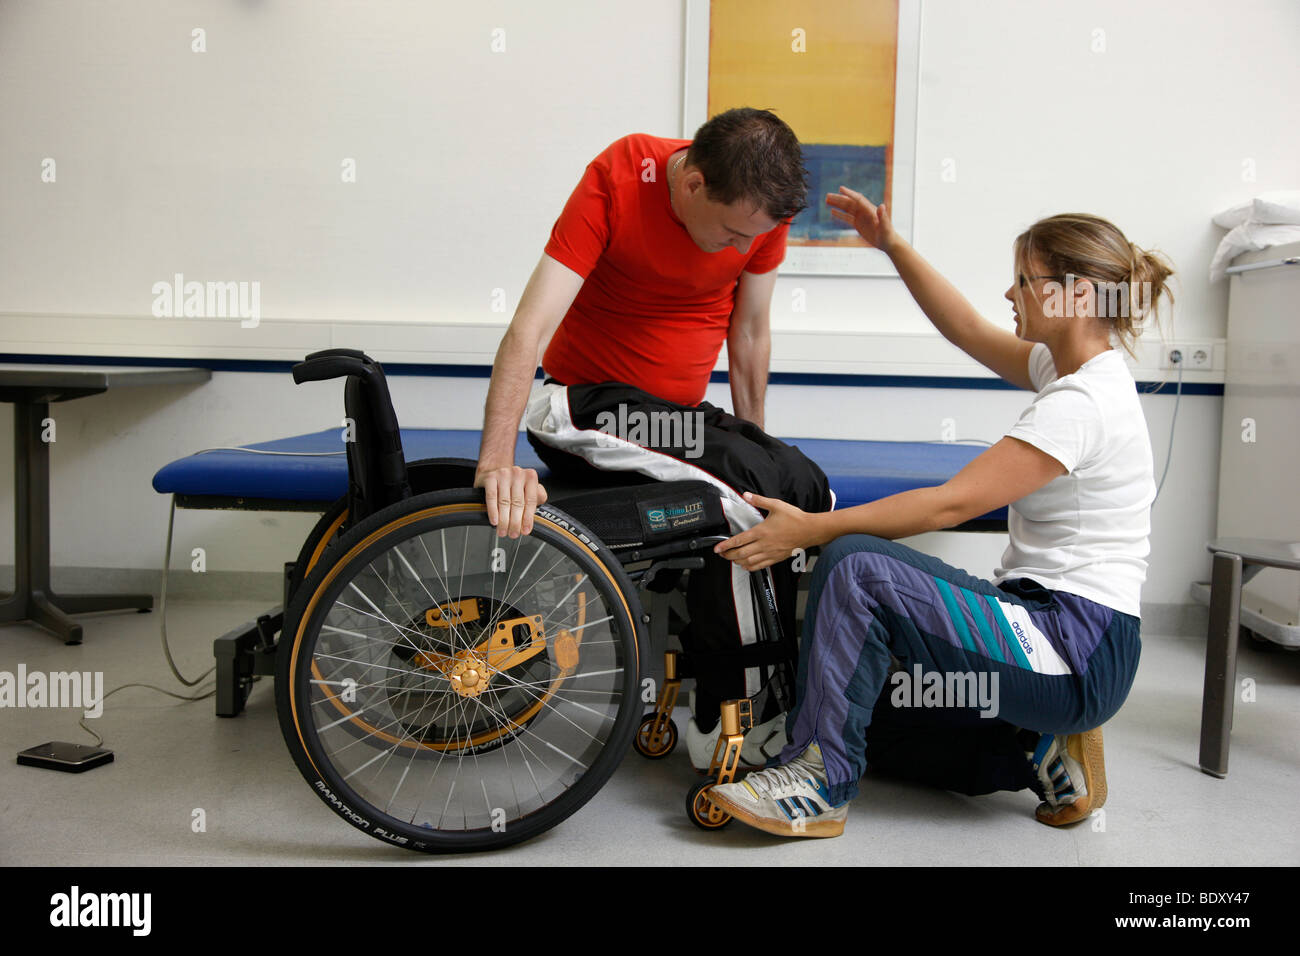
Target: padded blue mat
(859, 471)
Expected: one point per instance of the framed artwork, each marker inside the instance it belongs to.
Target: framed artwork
(843, 75)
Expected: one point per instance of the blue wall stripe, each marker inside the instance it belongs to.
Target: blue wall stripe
(282, 367)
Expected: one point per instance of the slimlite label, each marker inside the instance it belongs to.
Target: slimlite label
(672, 515)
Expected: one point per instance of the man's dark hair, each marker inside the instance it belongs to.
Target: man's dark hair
(751, 154)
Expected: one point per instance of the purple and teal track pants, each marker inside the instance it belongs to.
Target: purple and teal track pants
(958, 647)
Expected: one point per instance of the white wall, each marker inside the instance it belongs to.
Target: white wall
(225, 165)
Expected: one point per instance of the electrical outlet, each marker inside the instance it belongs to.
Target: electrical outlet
(1190, 355)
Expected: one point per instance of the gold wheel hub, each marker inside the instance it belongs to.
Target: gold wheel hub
(469, 676)
(511, 643)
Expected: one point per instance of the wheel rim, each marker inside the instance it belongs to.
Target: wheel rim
(431, 713)
(454, 681)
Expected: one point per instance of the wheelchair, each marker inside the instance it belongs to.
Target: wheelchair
(443, 689)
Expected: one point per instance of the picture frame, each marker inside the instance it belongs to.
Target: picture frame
(837, 147)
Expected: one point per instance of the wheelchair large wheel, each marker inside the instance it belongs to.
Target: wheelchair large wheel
(325, 530)
(445, 689)
(427, 474)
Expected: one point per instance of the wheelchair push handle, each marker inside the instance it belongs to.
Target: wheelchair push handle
(333, 363)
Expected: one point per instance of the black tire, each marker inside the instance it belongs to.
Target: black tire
(429, 658)
(697, 807)
(321, 534)
(640, 742)
(1258, 643)
(427, 474)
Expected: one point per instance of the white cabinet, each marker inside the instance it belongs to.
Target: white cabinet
(1259, 473)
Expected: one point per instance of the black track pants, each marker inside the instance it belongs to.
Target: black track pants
(617, 427)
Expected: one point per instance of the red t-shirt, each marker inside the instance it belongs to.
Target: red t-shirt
(655, 308)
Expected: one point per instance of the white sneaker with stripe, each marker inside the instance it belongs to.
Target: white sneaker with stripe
(1072, 774)
(789, 800)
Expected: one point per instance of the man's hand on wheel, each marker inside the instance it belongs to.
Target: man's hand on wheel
(511, 494)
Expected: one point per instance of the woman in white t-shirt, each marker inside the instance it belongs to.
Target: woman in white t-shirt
(915, 667)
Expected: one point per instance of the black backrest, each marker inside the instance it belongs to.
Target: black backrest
(376, 465)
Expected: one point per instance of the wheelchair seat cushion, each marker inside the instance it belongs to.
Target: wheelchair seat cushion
(644, 515)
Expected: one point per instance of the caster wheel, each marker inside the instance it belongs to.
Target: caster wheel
(1261, 645)
(701, 811)
(641, 742)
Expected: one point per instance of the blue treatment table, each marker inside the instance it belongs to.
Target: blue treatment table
(859, 471)
(309, 472)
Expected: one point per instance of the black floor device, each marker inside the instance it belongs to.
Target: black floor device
(70, 758)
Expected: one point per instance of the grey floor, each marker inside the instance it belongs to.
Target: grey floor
(173, 758)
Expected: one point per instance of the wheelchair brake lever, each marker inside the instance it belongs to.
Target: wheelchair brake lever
(646, 577)
(675, 547)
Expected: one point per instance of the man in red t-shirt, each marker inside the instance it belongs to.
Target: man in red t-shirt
(666, 249)
(658, 299)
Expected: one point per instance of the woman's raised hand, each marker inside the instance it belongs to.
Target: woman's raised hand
(871, 221)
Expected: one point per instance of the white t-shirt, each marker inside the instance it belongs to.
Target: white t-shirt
(1085, 532)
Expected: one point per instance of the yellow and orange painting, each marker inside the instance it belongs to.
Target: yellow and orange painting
(826, 67)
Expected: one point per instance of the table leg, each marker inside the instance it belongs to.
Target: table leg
(1220, 664)
(33, 600)
(41, 610)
